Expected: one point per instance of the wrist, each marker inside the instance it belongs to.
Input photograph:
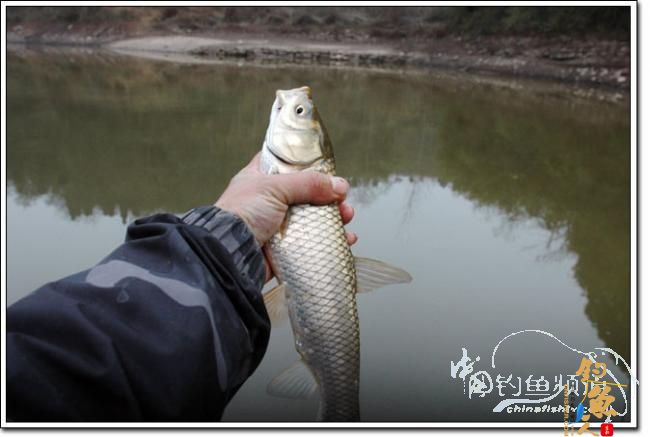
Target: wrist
(235, 236)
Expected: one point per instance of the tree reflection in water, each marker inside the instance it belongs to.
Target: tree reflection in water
(109, 133)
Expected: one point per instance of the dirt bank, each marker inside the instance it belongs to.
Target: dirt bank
(538, 61)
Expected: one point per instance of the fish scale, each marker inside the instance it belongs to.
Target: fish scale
(321, 297)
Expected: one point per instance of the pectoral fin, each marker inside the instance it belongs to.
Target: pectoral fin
(373, 274)
(276, 304)
(296, 382)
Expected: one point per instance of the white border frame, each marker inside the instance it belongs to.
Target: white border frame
(634, 246)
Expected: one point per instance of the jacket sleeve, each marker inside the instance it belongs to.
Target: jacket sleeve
(167, 327)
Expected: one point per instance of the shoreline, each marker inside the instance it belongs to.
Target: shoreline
(560, 68)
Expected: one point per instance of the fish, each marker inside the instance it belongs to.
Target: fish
(318, 277)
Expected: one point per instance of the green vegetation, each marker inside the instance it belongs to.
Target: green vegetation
(68, 14)
(342, 22)
(553, 20)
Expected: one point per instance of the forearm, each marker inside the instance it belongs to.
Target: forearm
(166, 327)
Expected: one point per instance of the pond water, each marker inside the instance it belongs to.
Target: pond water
(509, 207)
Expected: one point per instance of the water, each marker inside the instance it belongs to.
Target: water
(510, 207)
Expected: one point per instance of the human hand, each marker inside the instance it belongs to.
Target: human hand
(262, 201)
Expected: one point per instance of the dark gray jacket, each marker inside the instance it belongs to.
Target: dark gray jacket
(165, 328)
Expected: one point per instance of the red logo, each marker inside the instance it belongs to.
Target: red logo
(607, 429)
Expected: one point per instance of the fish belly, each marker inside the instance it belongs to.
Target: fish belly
(312, 257)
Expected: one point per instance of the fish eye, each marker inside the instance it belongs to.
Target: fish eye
(300, 110)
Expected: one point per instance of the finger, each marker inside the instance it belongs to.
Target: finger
(268, 272)
(347, 212)
(309, 187)
(351, 237)
(267, 265)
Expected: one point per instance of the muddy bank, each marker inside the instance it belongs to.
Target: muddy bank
(537, 62)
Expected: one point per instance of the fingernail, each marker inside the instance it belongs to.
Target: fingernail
(339, 185)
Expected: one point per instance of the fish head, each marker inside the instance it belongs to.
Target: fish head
(296, 138)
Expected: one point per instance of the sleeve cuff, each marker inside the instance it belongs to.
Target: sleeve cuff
(235, 236)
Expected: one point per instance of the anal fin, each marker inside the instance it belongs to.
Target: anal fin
(296, 382)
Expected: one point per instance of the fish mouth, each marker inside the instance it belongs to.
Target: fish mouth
(300, 90)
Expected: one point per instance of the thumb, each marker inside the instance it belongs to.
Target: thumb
(309, 187)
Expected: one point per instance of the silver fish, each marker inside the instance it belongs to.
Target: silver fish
(317, 274)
